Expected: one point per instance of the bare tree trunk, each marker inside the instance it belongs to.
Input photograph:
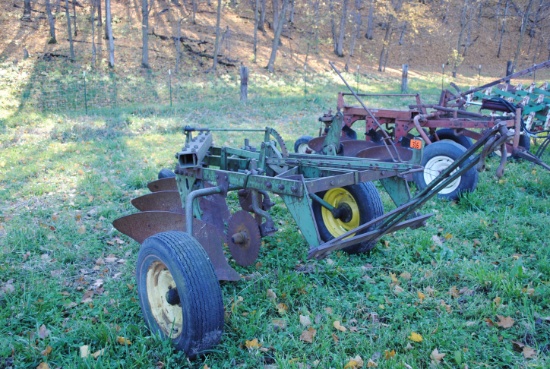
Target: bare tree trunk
(177, 42)
(356, 32)
(195, 7)
(503, 28)
(92, 12)
(27, 10)
(339, 51)
(145, 33)
(403, 30)
(275, 4)
(333, 25)
(524, 21)
(99, 16)
(385, 46)
(256, 26)
(51, 22)
(291, 12)
(277, 37)
(109, 27)
(74, 18)
(218, 34)
(71, 46)
(261, 24)
(370, 21)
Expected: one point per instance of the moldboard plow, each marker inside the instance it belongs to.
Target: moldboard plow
(186, 227)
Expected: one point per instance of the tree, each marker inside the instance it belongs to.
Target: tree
(277, 37)
(370, 21)
(218, 34)
(256, 26)
(71, 47)
(145, 9)
(27, 10)
(524, 21)
(74, 18)
(356, 31)
(92, 12)
(502, 28)
(339, 43)
(109, 28)
(51, 22)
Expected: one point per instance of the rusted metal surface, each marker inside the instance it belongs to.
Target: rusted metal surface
(142, 225)
(159, 201)
(164, 184)
(243, 238)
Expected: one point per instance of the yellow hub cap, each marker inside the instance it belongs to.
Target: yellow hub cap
(168, 316)
(343, 200)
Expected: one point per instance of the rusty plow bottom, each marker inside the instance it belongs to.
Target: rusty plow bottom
(140, 226)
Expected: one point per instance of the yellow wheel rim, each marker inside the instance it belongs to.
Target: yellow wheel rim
(168, 316)
(342, 199)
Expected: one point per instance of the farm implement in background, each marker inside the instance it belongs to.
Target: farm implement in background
(186, 227)
(447, 128)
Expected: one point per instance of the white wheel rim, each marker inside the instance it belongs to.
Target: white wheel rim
(303, 148)
(168, 317)
(434, 167)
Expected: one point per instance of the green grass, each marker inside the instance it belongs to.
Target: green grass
(64, 177)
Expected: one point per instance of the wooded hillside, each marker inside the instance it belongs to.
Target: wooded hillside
(182, 35)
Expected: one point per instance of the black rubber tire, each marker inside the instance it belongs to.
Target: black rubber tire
(438, 156)
(450, 134)
(177, 258)
(369, 204)
(166, 173)
(300, 143)
(524, 141)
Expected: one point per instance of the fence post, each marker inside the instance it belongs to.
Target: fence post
(170, 84)
(357, 79)
(85, 94)
(442, 75)
(243, 71)
(479, 75)
(405, 78)
(305, 79)
(509, 69)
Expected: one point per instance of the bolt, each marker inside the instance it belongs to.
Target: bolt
(281, 187)
(268, 185)
(294, 189)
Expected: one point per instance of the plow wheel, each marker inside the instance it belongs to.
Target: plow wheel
(301, 145)
(353, 205)
(243, 238)
(179, 293)
(435, 159)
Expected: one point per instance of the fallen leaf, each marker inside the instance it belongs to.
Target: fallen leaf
(87, 297)
(453, 291)
(305, 320)
(81, 229)
(43, 332)
(415, 337)
(529, 353)
(252, 344)
(405, 275)
(489, 322)
(271, 295)
(46, 351)
(389, 354)
(339, 326)
(84, 351)
(43, 366)
(505, 322)
(282, 308)
(371, 364)
(437, 240)
(354, 363)
(421, 296)
(397, 290)
(123, 341)
(437, 356)
(98, 353)
(279, 324)
(497, 301)
(308, 335)
(111, 259)
(394, 278)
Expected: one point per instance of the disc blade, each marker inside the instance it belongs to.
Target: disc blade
(164, 184)
(159, 201)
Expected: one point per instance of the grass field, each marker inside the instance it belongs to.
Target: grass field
(469, 290)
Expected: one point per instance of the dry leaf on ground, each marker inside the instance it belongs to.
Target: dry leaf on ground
(305, 320)
(84, 351)
(252, 344)
(123, 341)
(505, 322)
(308, 335)
(354, 363)
(436, 356)
(415, 337)
(339, 326)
